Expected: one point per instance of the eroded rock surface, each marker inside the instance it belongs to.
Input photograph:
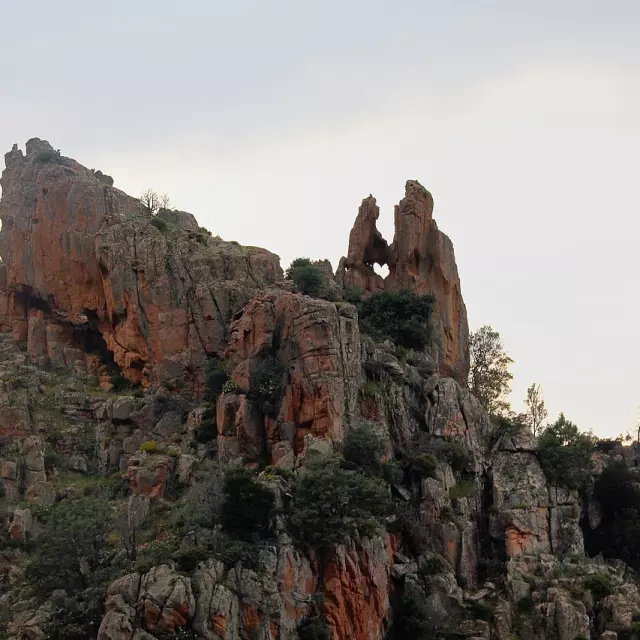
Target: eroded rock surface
(421, 259)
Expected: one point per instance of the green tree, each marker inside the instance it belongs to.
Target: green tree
(402, 316)
(307, 277)
(71, 546)
(331, 504)
(489, 375)
(247, 506)
(565, 454)
(535, 411)
(364, 448)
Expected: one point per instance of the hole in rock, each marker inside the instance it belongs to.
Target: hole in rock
(381, 270)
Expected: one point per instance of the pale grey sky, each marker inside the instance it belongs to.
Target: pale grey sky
(272, 120)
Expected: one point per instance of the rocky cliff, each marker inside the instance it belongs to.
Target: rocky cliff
(89, 272)
(420, 259)
(117, 503)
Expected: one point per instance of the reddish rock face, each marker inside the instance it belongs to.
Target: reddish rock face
(317, 345)
(356, 590)
(420, 259)
(88, 271)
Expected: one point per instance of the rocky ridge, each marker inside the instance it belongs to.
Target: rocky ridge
(93, 285)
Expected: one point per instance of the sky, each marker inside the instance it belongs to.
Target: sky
(271, 121)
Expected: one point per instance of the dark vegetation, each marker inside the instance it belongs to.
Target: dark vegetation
(401, 316)
(565, 454)
(306, 277)
(617, 492)
(46, 157)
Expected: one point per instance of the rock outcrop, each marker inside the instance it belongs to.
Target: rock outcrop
(90, 276)
(420, 259)
(316, 349)
(478, 544)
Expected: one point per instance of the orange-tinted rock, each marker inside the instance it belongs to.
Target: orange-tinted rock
(317, 345)
(357, 589)
(102, 277)
(420, 259)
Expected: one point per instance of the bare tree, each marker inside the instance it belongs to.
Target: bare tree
(151, 201)
(489, 375)
(536, 412)
(165, 201)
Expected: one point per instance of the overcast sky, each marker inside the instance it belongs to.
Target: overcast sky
(272, 120)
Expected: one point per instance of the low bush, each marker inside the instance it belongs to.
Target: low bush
(463, 489)
(353, 295)
(266, 384)
(216, 379)
(424, 465)
(150, 446)
(307, 278)
(247, 506)
(565, 454)
(401, 316)
(45, 157)
(451, 452)
(364, 448)
(331, 504)
(433, 565)
(600, 585)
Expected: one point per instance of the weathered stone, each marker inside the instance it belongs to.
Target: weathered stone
(420, 259)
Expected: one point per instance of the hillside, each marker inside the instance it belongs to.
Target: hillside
(191, 446)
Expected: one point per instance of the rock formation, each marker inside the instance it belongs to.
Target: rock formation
(89, 272)
(420, 259)
(478, 542)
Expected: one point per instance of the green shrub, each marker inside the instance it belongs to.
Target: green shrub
(331, 504)
(232, 551)
(230, 386)
(76, 617)
(425, 465)
(370, 389)
(565, 454)
(44, 157)
(247, 506)
(353, 295)
(314, 629)
(266, 384)
(433, 565)
(71, 546)
(281, 472)
(451, 452)
(119, 382)
(402, 316)
(216, 379)
(150, 446)
(364, 448)
(208, 428)
(307, 278)
(464, 489)
(188, 558)
(393, 472)
(600, 585)
(160, 224)
(158, 551)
